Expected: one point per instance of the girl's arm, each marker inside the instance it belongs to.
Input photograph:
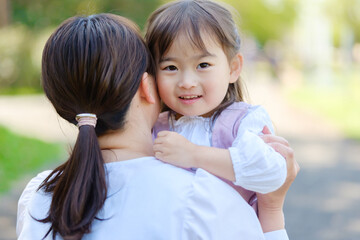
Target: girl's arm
(175, 149)
(257, 166)
(249, 162)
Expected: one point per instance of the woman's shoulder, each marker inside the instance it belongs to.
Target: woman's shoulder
(155, 178)
(32, 187)
(225, 212)
(205, 206)
(26, 197)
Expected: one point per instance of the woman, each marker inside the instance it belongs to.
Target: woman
(97, 72)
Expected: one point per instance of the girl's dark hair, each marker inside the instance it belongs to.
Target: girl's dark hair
(90, 64)
(193, 18)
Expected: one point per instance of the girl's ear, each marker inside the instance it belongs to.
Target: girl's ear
(146, 88)
(236, 64)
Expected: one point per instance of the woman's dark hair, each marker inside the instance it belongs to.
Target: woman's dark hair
(192, 18)
(90, 64)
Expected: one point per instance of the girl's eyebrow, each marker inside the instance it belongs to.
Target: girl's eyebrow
(196, 57)
(167, 59)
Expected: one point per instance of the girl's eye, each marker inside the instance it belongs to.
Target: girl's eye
(203, 65)
(170, 68)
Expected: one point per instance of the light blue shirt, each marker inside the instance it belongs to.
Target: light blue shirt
(151, 200)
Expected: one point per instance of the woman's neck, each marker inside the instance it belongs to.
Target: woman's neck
(134, 139)
(126, 144)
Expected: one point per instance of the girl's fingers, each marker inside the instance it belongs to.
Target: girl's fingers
(266, 130)
(268, 137)
(274, 139)
(288, 153)
(285, 151)
(156, 148)
(162, 133)
(159, 148)
(158, 140)
(158, 155)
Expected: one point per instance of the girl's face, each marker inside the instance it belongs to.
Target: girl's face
(193, 82)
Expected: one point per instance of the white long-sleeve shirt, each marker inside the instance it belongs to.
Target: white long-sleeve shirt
(148, 199)
(257, 166)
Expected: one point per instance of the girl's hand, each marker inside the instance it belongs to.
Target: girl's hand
(175, 149)
(271, 204)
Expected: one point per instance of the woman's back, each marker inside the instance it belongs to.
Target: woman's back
(148, 199)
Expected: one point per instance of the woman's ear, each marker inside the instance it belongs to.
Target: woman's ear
(146, 88)
(236, 64)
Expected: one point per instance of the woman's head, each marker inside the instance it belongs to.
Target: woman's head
(90, 65)
(94, 64)
(196, 21)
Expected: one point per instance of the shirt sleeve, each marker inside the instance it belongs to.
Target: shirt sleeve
(277, 235)
(26, 197)
(257, 166)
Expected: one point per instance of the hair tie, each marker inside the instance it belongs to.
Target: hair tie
(86, 119)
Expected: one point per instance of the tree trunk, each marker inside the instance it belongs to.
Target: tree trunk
(4, 13)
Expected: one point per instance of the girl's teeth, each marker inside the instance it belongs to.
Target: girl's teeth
(189, 97)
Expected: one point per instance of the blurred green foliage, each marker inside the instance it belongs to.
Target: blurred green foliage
(21, 43)
(345, 16)
(19, 155)
(20, 51)
(265, 19)
(37, 14)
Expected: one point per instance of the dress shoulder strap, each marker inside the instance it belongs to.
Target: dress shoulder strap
(226, 125)
(161, 124)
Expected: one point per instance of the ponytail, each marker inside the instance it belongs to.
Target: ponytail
(91, 65)
(78, 187)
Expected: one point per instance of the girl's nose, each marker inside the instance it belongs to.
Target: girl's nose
(187, 81)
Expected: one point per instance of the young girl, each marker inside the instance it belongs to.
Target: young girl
(196, 46)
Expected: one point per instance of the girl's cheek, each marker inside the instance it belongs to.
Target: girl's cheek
(160, 86)
(162, 89)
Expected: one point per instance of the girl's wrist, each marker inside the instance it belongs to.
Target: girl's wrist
(197, 157)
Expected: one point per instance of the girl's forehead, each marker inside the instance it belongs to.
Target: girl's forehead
(201, 42)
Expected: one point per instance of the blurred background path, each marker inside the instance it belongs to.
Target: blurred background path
(323, 203)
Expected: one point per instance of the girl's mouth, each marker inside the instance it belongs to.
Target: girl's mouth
(189, 99)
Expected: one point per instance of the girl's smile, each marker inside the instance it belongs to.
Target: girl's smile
(191, 81)
(189, 99)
